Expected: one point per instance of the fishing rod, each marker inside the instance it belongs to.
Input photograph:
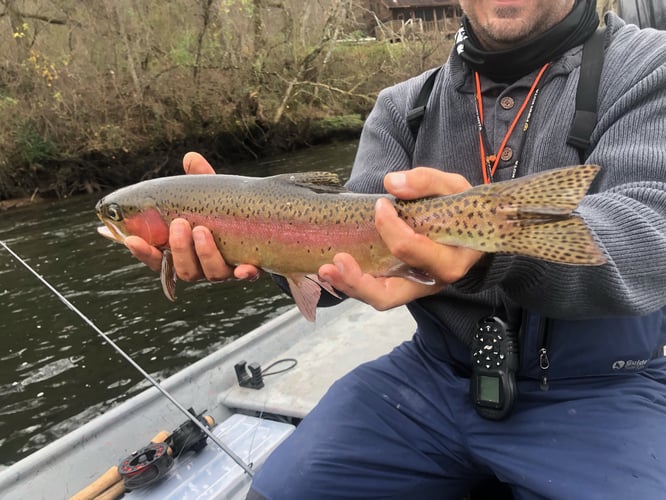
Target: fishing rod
(241, 463)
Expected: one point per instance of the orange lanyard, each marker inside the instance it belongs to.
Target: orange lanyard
(489, 162)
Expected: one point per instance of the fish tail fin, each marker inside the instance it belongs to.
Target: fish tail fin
(552, 192)
(563, 240)
(539, 217)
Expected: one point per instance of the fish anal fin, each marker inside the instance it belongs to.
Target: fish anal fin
(168, 275)
(305, 293)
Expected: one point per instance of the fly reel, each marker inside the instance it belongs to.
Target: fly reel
(146, 465)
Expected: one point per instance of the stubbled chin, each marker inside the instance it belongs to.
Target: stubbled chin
(504, 33)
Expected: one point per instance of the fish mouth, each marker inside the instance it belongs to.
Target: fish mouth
(110, 231)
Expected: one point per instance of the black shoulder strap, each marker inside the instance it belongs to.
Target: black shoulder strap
(415, 115)
(585, 118)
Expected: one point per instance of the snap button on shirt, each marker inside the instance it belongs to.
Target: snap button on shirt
(507, 154)
(507, 102)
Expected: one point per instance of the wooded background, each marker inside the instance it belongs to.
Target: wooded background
(100, 93)
(87, 87)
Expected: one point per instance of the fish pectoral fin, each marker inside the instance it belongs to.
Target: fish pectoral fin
(168, 275)
(319, 182)
(402, 270)
(305, 293)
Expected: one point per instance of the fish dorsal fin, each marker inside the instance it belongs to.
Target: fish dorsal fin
(319, 182)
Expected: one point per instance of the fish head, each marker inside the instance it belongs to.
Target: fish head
(123, 217)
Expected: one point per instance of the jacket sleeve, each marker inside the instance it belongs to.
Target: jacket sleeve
(386, 143)
(626, 210)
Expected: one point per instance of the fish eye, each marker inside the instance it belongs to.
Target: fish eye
(114, 212)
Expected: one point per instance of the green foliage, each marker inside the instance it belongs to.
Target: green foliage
(31, 146)
(7, 101)
(182, 54)
(345, 125)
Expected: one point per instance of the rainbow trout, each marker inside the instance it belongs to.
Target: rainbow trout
(292, 224)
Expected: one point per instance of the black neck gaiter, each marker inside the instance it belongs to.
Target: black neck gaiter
(510, 65)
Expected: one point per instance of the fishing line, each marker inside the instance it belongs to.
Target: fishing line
(128, 358)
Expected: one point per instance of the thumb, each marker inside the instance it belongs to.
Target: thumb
(194, 163)
(421, 182)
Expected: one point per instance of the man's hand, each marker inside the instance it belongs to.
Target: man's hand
(444, 263)
(195, 255)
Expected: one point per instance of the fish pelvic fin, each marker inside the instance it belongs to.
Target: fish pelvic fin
(306, 290)
(402, 270)
(168, 275)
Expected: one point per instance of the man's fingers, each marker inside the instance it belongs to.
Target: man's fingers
(408, 246)
(444, 263)
(246, 272)
(212, 263)
(421, 182)
(195, 254)
(185, 259)
(194, 163)
(345, 275)
(148, 254)
(210, 260)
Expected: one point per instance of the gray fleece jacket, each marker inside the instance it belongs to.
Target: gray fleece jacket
(625, 209)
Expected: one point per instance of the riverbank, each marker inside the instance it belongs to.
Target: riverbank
(20, 202)
(100, 172)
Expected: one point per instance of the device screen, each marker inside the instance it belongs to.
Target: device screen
(489, 389)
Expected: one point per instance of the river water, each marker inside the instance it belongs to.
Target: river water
(56, 373)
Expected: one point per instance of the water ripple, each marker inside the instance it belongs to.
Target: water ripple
(55, 372)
